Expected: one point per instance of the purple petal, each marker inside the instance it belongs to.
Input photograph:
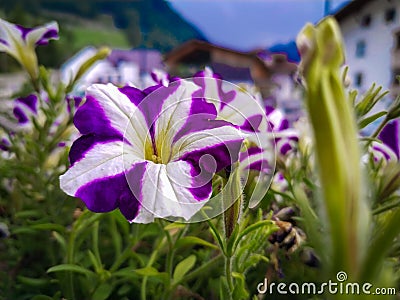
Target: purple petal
(252, 123)
(49, 35)
(24, 30)
(90, 118)
(4, 144)
(390, 136)
(4, 42)
(107, 194)
(201, 117)
(285, 148)
(259, 165)
(20, 115)
(73, 101)
(224, 97)
(224, 154)
(86, 143)
(29, 101)
(152, 105)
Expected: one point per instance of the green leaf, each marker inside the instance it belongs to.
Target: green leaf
(49, 226)
(224, 289)
(175, 226)
(70, 268)
(42, 297)
(95, 262)
(193, 240)
(271, 227)
(126, 273)
(183, 267)
(36, 282)
(240, 291)
(61, 240)
(103, 291)
(28, 214)
(147, 271)
(368, 120)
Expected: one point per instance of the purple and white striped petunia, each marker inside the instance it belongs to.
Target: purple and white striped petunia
(20, 42)
(151, 153)
(15, 114)
(235, 105)
(286, 138)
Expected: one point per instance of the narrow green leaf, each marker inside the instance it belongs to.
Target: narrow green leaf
(368, 120)
(224, 289)
(193, 240)
(34, 282)
(49, 226)
(42, 297)
(147, 271)
(28, 214)
(240, 291)
(271, 227)
(175, 226)
(126, 273)
(61, 240)
(183, 267)
(95, 262)
(70, 268)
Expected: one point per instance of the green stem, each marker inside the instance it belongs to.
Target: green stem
(217, 236)
(228, 273)
(95, 237)
(70, 260)
(149, 264)
(122, 257)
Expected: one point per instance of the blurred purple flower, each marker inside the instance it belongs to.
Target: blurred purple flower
(20, 42)
(390, 136)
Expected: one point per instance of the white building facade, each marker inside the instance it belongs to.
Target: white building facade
(371, 31)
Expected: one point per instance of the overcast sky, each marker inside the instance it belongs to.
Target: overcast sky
(249, 24)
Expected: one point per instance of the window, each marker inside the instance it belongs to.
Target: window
(390, 15)
(360, 48)
(395, 73)
(397, 40)
(366, 21)
(358, 79)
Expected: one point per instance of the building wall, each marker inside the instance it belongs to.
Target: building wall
(379, 40)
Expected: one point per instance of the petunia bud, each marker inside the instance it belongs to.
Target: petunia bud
(335, 136)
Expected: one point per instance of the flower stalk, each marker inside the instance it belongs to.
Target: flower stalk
(336, 142)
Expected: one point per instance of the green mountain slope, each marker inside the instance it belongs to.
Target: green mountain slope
(118, 24)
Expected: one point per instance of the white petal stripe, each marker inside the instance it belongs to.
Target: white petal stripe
(103, 160)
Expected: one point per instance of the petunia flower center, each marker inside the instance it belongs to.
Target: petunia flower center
(156, 159)
(152, 152)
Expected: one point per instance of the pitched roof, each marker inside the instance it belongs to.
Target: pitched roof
(349, 9)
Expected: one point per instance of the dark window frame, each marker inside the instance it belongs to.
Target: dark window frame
(366, 21)
(358, 79)
(390, 15)
(361, 48)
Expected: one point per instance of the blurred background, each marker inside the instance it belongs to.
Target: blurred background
(246, 41)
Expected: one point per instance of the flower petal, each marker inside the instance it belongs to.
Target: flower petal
(10, 36)
(101, 161)
(109, 112)
(101, 181)
(168, 191)
(40, 35)
(222, 144)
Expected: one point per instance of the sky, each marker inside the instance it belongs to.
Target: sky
(249, 24)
